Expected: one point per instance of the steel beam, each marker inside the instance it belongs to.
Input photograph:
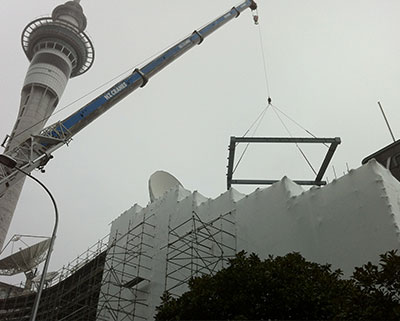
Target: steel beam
(334, 142)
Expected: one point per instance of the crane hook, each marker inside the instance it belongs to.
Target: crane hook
(255, 16)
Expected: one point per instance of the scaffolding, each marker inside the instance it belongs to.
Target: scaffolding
(71, 296)
(110, 281)
(197, 248)
(126, 279)
(80, 261)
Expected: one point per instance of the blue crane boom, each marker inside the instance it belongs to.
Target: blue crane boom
(37, 150)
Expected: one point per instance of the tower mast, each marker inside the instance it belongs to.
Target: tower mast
(58, 49)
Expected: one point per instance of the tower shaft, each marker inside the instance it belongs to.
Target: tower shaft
(36, 106)
(58, 50)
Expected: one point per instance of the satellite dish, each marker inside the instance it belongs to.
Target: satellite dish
(25, 260)
(161, 182)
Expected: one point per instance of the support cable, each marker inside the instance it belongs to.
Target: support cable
(259, 119)
(261, 115)
(298, 124)
(297, 145)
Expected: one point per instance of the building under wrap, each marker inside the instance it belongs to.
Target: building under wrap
(159, 247)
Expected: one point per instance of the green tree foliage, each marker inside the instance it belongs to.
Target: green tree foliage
(378, 290)
(289, 288)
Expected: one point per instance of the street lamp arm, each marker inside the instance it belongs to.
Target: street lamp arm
(52, 240)
(48, 192)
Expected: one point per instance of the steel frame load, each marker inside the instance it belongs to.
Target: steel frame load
(197, 247)
(334, 142)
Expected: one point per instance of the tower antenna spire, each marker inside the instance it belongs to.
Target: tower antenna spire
(387, 122)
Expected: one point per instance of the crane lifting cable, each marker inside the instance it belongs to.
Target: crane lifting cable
(264, 60)
(259, 118)
(257, 123)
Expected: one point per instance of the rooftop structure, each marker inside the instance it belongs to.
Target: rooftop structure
(389, 157)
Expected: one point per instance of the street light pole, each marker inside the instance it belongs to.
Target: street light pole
(10, 162)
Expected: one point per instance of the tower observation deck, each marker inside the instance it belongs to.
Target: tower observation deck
(58, 49)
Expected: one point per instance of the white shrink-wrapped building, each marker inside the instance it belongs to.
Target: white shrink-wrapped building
(180, 233)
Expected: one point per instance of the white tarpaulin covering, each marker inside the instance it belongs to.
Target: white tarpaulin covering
(346, 223)
(25, 259)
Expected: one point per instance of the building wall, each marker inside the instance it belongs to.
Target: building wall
(346, 223)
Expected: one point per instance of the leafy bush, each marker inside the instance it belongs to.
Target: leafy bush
(289, 288)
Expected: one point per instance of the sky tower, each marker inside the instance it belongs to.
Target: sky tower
(57, 49)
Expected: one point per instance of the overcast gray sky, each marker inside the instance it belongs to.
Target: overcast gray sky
(328, 63)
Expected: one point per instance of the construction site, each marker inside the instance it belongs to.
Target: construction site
(179, 234)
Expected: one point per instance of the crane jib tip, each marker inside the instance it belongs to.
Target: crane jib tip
(253, 5)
